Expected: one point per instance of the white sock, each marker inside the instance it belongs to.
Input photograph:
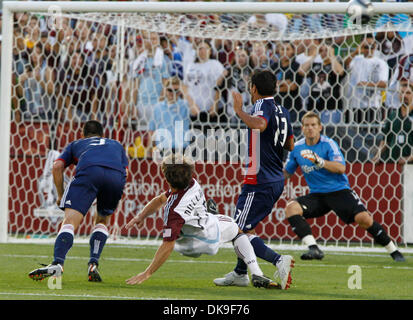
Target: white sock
(67, 228)
(309, 240)
(391, 247)
(245, 251)
(100, 227)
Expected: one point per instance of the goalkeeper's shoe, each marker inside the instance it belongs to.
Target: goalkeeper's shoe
(233, 279)
(93, 273)
(212, 206)
(55, 270)
(397, 256)
(264, 282)
(284, 266)
(313, 253)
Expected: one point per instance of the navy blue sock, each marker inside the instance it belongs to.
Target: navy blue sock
(241, 267)
(63, 243)
(264, 252)
(97, 242)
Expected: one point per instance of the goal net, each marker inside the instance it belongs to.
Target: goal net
(157, 79)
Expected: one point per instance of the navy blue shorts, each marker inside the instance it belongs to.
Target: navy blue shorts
(95, 182)
(255, 203)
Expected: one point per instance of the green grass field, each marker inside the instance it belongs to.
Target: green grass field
(183, 278)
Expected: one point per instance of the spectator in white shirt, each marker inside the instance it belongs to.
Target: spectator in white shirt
(203, 78)
(368, 77)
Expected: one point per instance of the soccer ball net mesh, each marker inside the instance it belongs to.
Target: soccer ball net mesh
(140, 74)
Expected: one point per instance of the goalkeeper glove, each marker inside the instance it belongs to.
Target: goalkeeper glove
(313, 157)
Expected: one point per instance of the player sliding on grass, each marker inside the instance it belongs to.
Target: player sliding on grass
(189, 228)
(101, 166)
(323, 166)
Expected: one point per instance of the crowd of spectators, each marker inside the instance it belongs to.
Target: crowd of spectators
(79, 71)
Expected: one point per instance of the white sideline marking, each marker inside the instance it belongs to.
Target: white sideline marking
(87, 296)
(122, 243)
(315, 265)
(115, 259)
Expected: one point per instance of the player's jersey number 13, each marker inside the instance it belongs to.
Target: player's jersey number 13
(280, 135)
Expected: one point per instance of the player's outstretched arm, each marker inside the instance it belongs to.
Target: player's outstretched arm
(153, 206)
(251, 122)
(161, 255)
(334, 167)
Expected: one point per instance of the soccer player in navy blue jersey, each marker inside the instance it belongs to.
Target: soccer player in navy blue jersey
(269, 135)
(323, 167)
(101, 170)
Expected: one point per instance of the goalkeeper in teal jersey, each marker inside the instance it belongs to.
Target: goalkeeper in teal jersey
(323, 167)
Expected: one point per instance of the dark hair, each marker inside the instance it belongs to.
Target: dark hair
(369, 36)
(92, 128)
(264, 81)
(178, 171)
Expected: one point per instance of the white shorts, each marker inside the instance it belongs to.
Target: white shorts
(227, 227)
(195, 241)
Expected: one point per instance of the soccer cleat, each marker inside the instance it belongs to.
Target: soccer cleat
(47, 271)
(264, 282)
(284, 265)
(212, 206)
(313, 253)
(397, 256)
(93, 273)
(233, 279)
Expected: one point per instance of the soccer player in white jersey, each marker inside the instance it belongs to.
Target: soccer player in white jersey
(323, 167)
(189, 228)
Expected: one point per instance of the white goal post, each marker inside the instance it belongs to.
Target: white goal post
(89, 11)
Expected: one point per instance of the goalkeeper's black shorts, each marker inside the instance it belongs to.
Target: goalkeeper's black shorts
(345, 203)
